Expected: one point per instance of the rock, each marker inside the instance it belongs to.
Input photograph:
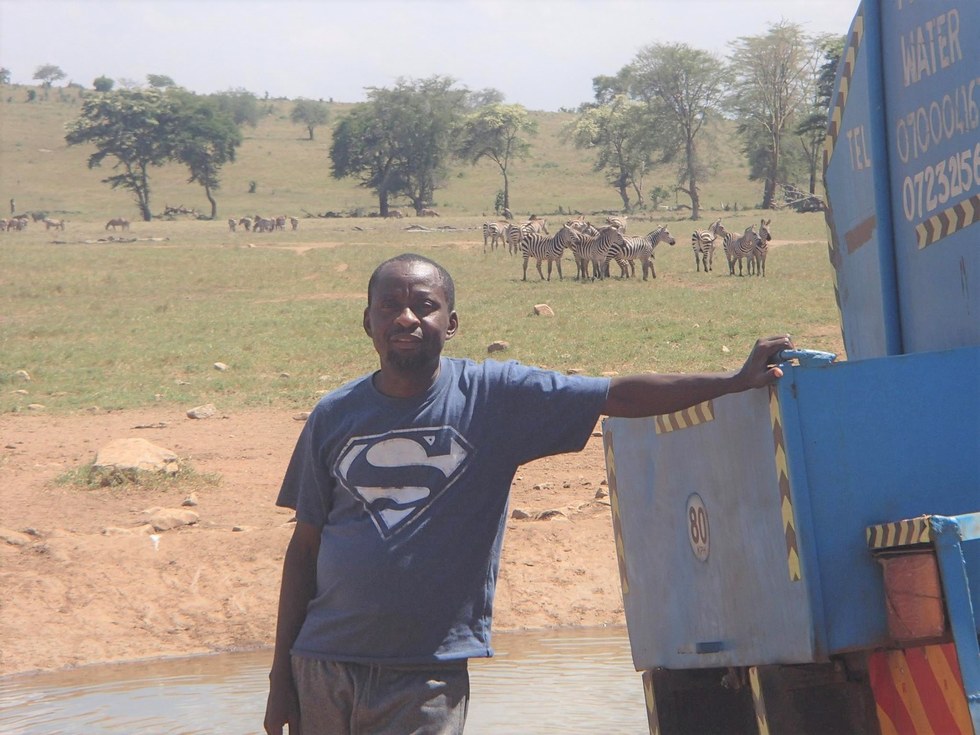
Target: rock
(36, 406)
(498, 346)
(301, 416)
(164, 519)
(601, 493)
(21, 392)
(136, 454)
(202, 412)
(551, 515)
(542, 486)
(609, 373)
(284, 375)
(116, 531)
(725, 349)
(543, 310)
(520, 515)
(190, 501)
(220, 366)
(23, 375)
(574, 371)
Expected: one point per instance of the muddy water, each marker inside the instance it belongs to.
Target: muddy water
(575, 681)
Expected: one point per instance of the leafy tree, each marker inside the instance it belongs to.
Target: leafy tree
(205, 138)
(310, 114)
(812, 128)
(4, 75)
(484, 97)
(103, 84)
(495, 132)
(769, 94)
(242, 105)
(160, 81)
(405, 139)
(48, 74)
(682, 87)
(619, 134)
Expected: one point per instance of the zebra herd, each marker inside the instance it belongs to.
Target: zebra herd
(750, 246)
(599, 246)
(589, 245)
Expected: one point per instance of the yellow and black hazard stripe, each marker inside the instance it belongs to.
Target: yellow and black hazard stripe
(945, 223)
(785, 491)
(900, 533)
(617, 520)
(699, 414)
(848, 61)
(758, 701)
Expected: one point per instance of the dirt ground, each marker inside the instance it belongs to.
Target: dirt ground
(84, 582)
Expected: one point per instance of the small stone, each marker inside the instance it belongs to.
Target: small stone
(284, 375)
(202, 412)
(519, 515)
(566, 484)
(21, 392)
(14, 538)
(609, 373)
(301, 416)
(164, 519)
(543, 310)
(601, 493)
(725, 349)
(190, 501)
(220, 366)
(498, 346)
(36, 406)
(550, 515)
(23, 375)
(574, 371)
(542, 486)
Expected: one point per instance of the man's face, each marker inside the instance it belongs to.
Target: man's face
(408, 317)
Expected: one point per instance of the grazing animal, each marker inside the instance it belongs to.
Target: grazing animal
(263, 224)
(642, 248)
(508, 215)
(539, 224)
(394, 214)
(739, 247)
(280, 223)
(54, 224)
(541, 247)
(618, 222)
(757, 259)
(595, 249)
(294, 223)
(514, 233)
(245, 222)
(232, 224)
(117, 222)
(493, 231)
(703, 244)
(428, 213)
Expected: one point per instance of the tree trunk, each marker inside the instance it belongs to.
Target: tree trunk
(214, 204)
(310, 128)
(383, 202)
(769, 193)
(506, 189)
(692, 178)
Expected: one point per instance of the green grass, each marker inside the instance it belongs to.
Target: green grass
(121, 325)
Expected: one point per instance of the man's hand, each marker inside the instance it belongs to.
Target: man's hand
(282, 707)
(760, 369)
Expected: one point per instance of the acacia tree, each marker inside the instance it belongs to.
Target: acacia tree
(4, 75)
(405, 139)
(103, 84)
(205, 139)
(495, 132)
(160, 81)
(310, 114)
(618, 133)
(769, 93)
(812, 128)
(682, 87)
(48, 74)
(132, 127)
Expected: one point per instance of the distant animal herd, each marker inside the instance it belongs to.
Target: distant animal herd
(592, 248)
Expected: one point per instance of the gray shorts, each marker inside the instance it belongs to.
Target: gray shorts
(337, 698)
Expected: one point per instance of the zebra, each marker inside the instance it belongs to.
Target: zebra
(757, 259)
(737, 247)
(703, 244)
(513, 235)
(539, 224)
(542, 247)
(618, 222)
(595, 249)
(492, 231)
(642, 248)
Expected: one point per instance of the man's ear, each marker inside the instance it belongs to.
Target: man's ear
(366, 322)
(453, 325)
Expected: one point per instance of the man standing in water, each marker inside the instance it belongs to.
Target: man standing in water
(400, 482)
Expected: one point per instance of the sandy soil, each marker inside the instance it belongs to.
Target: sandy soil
(82, 582)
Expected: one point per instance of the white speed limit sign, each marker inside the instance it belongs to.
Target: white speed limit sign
(697, 527)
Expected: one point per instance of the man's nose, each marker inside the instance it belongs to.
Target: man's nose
(407, 316)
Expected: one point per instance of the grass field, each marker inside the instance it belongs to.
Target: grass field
(118, 325)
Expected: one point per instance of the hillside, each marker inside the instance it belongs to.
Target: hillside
(40, 172)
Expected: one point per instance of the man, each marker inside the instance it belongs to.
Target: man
(400, 482)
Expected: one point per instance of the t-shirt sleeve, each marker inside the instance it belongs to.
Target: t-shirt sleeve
(544, 412)
(306, 486)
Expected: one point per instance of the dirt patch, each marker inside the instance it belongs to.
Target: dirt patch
(82, 583)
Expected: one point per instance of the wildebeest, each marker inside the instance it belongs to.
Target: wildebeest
(119, 222)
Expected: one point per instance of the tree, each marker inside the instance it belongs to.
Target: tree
(310, 114)
(160, 81)
(769, 92)
(130, 127)
(812, 128)
(405, 139)
(242, 105)
(683, 87)
(4, 75)
(47, 74)
(619, 134)
(495, 132)
(205, 138)
(103, 84)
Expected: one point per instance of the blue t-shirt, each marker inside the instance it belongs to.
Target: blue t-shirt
(411, 494)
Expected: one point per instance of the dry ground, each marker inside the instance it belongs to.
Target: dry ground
(75, 593)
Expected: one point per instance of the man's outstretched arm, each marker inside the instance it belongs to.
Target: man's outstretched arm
(652, 394)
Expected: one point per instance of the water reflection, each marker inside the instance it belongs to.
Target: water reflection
(576, 681)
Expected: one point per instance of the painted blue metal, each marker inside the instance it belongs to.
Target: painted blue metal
(950, 536)
(867, 442)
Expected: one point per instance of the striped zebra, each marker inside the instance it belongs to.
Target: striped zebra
(757, 260)
(618, 222)
(642, 248)
(595, 248)
(588, 231)
(542, 247)
(703, 244)
(738, 247)
(492, 232)
(513, 235)
(538, 224)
